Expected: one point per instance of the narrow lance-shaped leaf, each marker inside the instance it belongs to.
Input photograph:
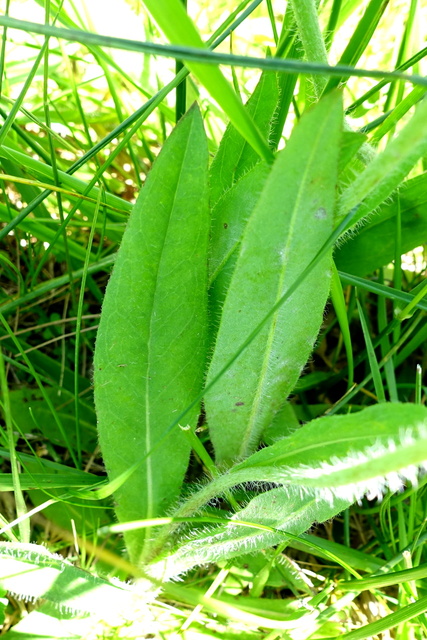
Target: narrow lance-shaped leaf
(337, 457)
(150, 349)
(290, 223)
(235, 156)
(347, 455)
(283, 508)
(387, 169)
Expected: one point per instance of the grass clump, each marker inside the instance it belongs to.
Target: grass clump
(213, 321)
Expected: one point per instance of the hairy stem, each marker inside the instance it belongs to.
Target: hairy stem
(305, 12)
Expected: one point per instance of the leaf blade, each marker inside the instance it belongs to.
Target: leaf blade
(276, 246)
(348, 455)
(283, 509)
(235, 157)
(154, 316)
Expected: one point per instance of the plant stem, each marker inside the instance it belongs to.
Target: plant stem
(305, 12)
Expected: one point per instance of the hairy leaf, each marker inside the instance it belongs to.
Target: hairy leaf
(374, 245)
(291, 221)
(229, 218)
(30, 572)
(150, 349)
(387, 170)
(284, 509)
(347, 455)
(235, 156)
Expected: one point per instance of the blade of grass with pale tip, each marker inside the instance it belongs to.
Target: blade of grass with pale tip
(290, 223)
(151, 344)
(173, 20)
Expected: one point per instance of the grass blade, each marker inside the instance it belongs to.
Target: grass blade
(341, 312)
(361, 37)
(373, 362)
(21, 510)
(204, 56)
(172, 18)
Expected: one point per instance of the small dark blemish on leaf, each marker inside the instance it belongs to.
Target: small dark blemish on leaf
(239, 404)
(225, 225)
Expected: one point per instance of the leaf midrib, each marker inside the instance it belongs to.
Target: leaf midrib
(148, 444)
(258, 393)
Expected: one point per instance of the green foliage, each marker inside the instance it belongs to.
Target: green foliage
(235, 157)
(150, 349)
(33, 572)
(235, 408)
(288, 225)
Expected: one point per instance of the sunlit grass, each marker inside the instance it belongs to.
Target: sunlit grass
(53, 315)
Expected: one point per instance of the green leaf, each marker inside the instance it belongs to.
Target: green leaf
(290, 223)
(28, 192)
(30, 571)
(307, 22)
(235, 156)
(387, 170)
(363, 33)
(338, 300)
(347, 455)
(44, 173)
(29, 408)
(373, 361)
(350, 145)
(229, 218)
(285, 422)
(173, 20)
(374, 245)
(230, 215)
(283, 508)
(150, 349)
(342, 457)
